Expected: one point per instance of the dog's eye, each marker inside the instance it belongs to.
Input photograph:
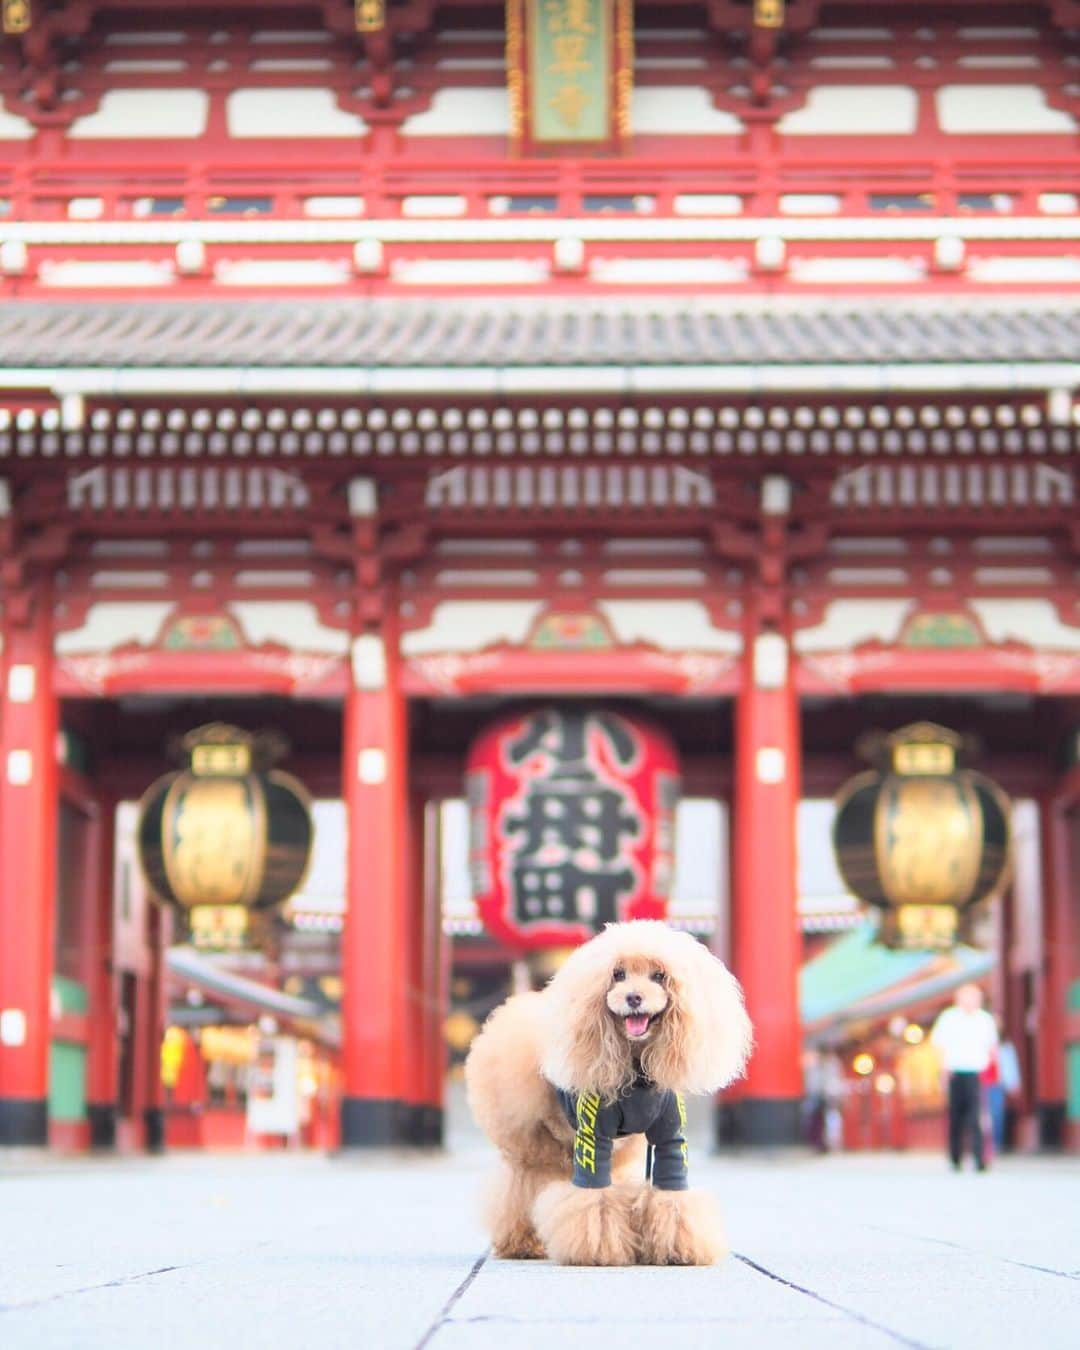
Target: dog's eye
(618, 974)
(658, 976)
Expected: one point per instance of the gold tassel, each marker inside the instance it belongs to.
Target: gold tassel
(16, 16)
(768, 13)
(370, 15)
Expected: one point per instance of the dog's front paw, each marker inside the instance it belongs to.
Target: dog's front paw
(679, 1228)
(520, 1246)
(584, 1227)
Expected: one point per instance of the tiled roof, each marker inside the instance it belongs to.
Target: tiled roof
(854, 976)
(522, 332)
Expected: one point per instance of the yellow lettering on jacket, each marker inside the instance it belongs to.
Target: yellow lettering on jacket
(588, 1105)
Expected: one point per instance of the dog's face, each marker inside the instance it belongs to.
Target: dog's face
(641, 998)
(638, 997)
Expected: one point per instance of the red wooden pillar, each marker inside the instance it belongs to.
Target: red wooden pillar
(100, 980)
(375, 938)
(29, 811)
(1053, 985)
(436, 980)
(414, 1114)
(764, 1109)
(1003, 937)
(425, 989)
(158, 930)
(1009, 1004)
(1072, 1015)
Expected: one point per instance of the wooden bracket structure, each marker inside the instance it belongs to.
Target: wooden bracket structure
(26, 559)
(764, 26)
(40, 31)
(375, 25)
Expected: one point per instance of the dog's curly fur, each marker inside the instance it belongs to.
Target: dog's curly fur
(567, 1037)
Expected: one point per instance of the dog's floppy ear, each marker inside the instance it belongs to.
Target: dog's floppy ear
(584, 1050)
(705, 1037)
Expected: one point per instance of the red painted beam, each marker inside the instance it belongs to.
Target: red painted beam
(74, 1027)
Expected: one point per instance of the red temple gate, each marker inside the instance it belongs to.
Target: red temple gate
(764, 427)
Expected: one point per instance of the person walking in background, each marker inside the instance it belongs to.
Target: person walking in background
(835, 1092)
(814, 1099)
(1002, 1083)
(966, 1038)
(992, 1107)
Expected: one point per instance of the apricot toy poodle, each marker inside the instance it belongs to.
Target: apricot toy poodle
(571, 1084)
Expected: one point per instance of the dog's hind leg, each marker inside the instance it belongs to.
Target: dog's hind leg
(509, 1211)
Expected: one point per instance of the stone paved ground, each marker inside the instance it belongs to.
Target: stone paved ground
(192, 1252)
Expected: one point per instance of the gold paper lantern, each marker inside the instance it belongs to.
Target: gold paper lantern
(228, 831)
(920, 838)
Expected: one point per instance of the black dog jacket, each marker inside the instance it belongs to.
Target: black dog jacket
(658, 1114)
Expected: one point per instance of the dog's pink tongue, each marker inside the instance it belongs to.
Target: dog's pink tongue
(638, 1024)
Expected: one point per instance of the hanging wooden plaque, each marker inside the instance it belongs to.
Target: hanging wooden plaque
(570, 73)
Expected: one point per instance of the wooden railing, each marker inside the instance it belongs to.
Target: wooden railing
(134, 188)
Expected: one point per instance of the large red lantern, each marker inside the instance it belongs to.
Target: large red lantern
(572, 816)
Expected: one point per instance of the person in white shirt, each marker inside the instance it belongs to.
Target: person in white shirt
(966, 1038)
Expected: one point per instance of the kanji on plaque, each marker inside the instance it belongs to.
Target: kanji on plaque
(571, 62)
(569, 71)
(571, 823)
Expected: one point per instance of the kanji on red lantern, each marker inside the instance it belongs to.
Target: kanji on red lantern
(572, 822)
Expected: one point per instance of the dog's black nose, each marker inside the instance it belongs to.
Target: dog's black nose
(633, 1000)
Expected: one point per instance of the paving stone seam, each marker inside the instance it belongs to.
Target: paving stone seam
(444, 1312)
(664, 1322)
(92, 1288)
(974, 1251)
(1043, 1270)
(897, 1336)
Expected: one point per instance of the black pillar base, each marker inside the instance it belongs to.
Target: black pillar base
(102, 1120)
(371, 1122)
(1051, 1121)
(759, 1122)
(412, 1125)
(154, 1118)
(368, 1122)
(433, 1127)
(23, 1124)
(423, 1126)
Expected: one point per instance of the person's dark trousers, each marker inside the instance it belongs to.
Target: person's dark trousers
(964, 1116)
(995, 1101)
